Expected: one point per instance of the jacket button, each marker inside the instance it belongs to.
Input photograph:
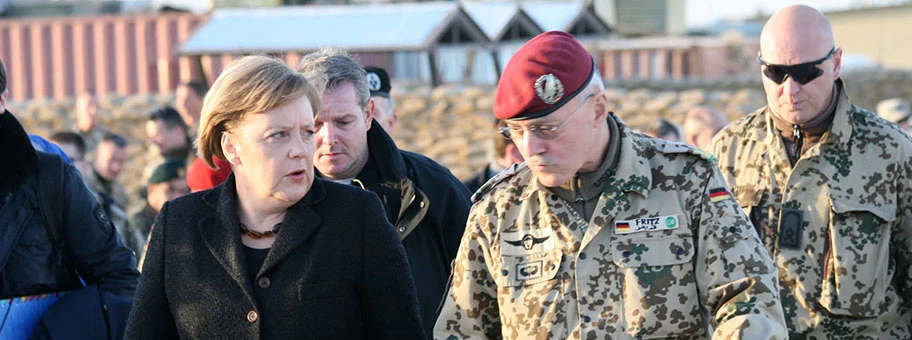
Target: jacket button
(401, 229)
(264, 282)
(421, 204)
(252, 316)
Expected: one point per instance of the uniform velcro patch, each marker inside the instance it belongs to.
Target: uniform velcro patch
(719, 194)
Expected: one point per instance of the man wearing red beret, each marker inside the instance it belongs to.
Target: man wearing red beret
(602, 233)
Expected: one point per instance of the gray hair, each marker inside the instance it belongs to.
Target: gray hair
(330, 68)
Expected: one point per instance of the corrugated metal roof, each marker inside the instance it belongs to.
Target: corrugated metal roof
(378, 28)
(553, 16)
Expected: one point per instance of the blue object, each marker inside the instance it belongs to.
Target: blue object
(44, 145)
(21, 314)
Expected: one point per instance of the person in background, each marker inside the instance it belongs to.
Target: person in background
(166, 183)
(110, 155)
(662, 129)
(189, 101)
(602, 233)
(828, 187)
(378, 82)
(424, 202)
(75, 148)
(88, 114)
(505, 155)
(896, 111)
(273, 252)
(107, 163)
(701, 124)
(168, 134)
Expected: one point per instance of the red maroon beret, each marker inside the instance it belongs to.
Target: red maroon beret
(546, 73)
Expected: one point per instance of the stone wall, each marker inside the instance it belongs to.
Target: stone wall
(453, 124)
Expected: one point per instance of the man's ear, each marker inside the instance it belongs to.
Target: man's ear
(3, 97)
(837, 62)
(230, 150)
(601, 106)
(369, 112)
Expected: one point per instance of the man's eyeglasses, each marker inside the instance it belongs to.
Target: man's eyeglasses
(540, 131)
(802, 73)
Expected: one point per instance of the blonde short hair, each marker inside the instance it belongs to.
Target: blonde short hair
(249, 85)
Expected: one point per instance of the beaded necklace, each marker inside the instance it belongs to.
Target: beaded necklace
(256, 235)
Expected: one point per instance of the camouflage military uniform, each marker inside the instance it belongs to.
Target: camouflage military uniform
(843, 246)
(659, 258)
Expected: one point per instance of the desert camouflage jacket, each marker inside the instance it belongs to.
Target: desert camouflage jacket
(667, 253)
(837, 224)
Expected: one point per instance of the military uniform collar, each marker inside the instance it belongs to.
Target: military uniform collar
(838, 134)
(631, 165)
(841, 132)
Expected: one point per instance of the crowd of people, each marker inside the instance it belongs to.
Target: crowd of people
(277, 205)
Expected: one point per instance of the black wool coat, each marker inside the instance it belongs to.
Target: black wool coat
(336, 271)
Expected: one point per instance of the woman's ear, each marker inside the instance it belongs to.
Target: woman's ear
(229, 148)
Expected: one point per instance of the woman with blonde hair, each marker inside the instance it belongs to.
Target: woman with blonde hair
(273, 252)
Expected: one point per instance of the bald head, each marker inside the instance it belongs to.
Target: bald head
(701, 124)
(796, 35)
(793, 32)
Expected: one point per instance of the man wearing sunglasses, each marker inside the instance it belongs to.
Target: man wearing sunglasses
(827, 185)
(602, 233)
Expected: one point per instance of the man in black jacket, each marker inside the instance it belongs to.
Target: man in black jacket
(30, 262)
(424, 202)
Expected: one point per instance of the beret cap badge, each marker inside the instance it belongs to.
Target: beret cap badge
(549, 88)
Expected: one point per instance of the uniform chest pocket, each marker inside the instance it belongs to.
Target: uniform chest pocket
(657, 276)
(856, 273)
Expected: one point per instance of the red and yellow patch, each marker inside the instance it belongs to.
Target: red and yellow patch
(718, 194)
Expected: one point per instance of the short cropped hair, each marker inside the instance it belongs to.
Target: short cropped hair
(169, 116)
(249, 85)
(118, 140)
(70, 137)
(198, 87)
(330, 68)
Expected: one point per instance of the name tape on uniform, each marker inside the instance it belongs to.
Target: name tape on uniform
(646, 224)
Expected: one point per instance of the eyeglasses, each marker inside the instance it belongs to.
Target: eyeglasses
(540, 131)
(802, 73)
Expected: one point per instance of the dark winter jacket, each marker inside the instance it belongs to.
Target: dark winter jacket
(428, 207)
(30, 263)
(335, 271)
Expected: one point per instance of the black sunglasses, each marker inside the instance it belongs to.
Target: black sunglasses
(802, 73)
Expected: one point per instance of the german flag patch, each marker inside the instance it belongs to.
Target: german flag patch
(718, 194)
(622, 227)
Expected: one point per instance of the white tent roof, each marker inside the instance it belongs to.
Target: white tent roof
(553, 16)
(377, 28)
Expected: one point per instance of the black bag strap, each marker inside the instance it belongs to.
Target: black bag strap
(50, 196)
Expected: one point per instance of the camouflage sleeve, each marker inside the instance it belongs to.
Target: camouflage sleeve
(470, 309)
(902, 241)
(740, 287)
